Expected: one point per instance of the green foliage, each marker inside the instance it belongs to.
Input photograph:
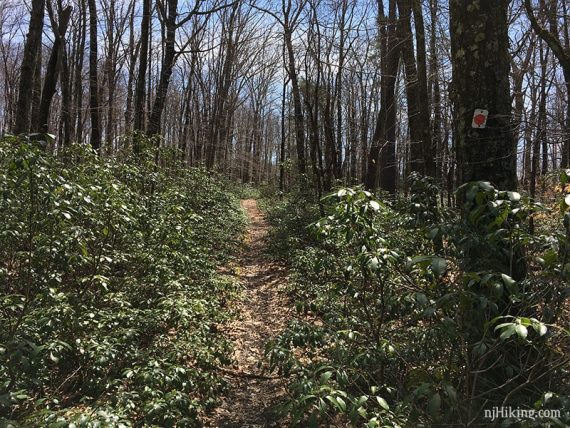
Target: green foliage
(411, 315)
(290, 215)
(110, 293)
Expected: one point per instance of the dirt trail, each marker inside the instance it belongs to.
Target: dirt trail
(263, 313)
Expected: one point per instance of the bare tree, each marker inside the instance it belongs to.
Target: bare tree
(562, 53)
(30, 63)
(94, 105)
(381, 167)
(54, 66)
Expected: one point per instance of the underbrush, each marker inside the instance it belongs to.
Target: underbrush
(412, 315)
(290, 216)
(110, 294)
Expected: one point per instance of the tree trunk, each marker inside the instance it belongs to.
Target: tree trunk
(93, 79)
(541, 141)
(32, 49)
(481, 63)
(382, 168)
(283, 139)
(110, 72)
(53, 67)
(36, 92)
(563, 56)
(78, 74)
(417, 152)
(297, 106)
(437, 141)
(423, 100)
(166, 70)
(139, 115)
(65, 82)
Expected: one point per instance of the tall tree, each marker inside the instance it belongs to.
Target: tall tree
(382, 169)
(421, 156)
(168, 14)
(55, 62)
(562, 53)
(434, 91)
(139, 115)
(77, 73)
(94, 106)
(481, 81)
(289, 19)
(30, 63)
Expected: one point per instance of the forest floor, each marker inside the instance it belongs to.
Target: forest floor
(263, 313)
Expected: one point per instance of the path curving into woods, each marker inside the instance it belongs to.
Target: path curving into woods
(263, 313)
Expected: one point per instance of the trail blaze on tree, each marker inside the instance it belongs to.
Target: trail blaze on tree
(481, 64)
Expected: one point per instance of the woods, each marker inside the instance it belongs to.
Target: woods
(375, 90)
(404, 168)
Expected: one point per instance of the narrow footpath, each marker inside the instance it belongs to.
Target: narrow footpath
(263, 314)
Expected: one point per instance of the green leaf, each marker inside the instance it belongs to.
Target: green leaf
(383, 403)
(341, 403)
(307, 397)
(338, 402)
(325, 377)
(438, 266)
(566, 271)
(521, 330)
(503, 325)
(434, 404)
(313, 420)
(514, 196)
(509, 282)
(422, 299)
(373, 263)
(451, 392)
(540, 328)
(373, 423)
(507, 332)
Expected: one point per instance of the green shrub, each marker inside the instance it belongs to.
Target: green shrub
(110, 292)
(411, 315)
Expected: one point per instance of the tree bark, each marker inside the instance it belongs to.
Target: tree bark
(417, 149)
(54, 66)
(32, 48)
(481, 63)
(382, 169)
(166, 70)
(93, 79)
(297, 105)
(435, 91)
(139, 115)
(563, 56)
